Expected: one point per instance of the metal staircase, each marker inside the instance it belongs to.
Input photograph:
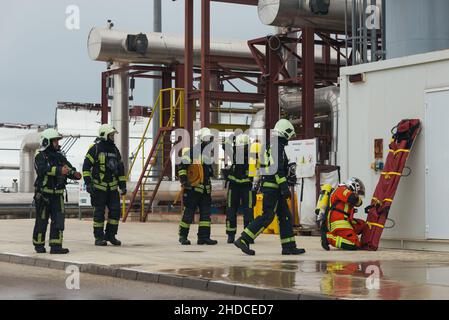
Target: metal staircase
(170, 103)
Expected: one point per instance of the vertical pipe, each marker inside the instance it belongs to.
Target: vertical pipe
(120, 113)
(308, 88)
(205, 67)
(157, 83)
(365, 31)
(104, 98)
(384, 29)
(374, 36)
(354, 32)
(189, 108)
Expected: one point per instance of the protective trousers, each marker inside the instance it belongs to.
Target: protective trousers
(342, 233)
(273, 203)
(49, 206)
(192, 200)
(239, 196)
(100, 200)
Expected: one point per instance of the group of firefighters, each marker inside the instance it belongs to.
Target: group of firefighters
(268, 172)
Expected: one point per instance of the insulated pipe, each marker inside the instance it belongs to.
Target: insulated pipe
(120, 113)
(327, 100)
(110, 45)
(30, 144)
(318, 14)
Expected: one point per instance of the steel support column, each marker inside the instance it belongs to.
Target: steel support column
(308, 88)
(189, 108)
(104, 98)
(272, 111)
(205, 64)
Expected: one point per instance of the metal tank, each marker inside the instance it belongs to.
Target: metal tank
(416, 26)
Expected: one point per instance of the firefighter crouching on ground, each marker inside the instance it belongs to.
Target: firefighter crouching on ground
(197, 195)
(275, 191)
(340, 229)
(240, 193)
(104, 174)
(52, 170)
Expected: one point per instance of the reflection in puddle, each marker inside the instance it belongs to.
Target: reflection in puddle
(389, 280)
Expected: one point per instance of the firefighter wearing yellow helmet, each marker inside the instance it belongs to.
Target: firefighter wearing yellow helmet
(52, 170)
(195, 172)
(104, 175)
(275, 189)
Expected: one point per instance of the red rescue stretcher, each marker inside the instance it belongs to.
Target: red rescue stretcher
(400, 147)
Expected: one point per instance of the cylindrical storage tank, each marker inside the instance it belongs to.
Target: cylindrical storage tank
(321, 14)
(416, 26)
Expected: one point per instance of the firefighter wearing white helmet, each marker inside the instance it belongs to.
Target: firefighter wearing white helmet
(275, 189)
(104, 175)
(52, 170)
(197, 195)
(240, 193)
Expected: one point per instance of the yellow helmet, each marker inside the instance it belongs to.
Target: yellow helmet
(242, 140)
(285, 129)
(205, 134)
(47, 136)
(105, 130)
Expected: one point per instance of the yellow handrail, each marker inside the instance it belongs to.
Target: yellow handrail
(175, 105)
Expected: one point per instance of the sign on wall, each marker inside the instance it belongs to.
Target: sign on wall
(305, 154)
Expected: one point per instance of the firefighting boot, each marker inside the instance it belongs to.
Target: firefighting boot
(184, 241)
(324, 242)
(207, 241)
(231, 238)
(113, 240)
(101, 243)
(244, 246)
(58, 250)
(40, 249)
(292, 251)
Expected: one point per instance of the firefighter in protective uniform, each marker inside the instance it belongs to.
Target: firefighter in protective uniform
(198, 195)
(52, 170)
(240, 193)
(275, 189)
(341, 229)
(104, 175)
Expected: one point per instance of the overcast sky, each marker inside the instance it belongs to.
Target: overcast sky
(43, 62)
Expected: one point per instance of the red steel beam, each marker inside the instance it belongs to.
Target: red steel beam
(272, 110)
(205, 64)
(189, 112)
(227, 96)
(308, 89)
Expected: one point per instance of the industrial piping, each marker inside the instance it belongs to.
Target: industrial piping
(30, 144)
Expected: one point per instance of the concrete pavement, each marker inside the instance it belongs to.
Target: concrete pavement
(151, 252)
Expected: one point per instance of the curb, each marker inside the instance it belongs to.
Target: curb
(202, 284)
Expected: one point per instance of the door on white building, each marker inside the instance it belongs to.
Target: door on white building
(437, 164)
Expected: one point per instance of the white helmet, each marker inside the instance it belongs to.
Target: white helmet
(205, 134)
(47, 136)
(105, 130)
(242, 140)
(356, 185)
(284, 128)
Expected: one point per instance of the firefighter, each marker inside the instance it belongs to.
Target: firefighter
(52, 170)
(341, 229)
(240, 193)
(276, 192)
(104, 175)
(198, 195)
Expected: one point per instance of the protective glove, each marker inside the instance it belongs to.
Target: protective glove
(77, 176)
(89, 188)
(123, 192)
(285, 192)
